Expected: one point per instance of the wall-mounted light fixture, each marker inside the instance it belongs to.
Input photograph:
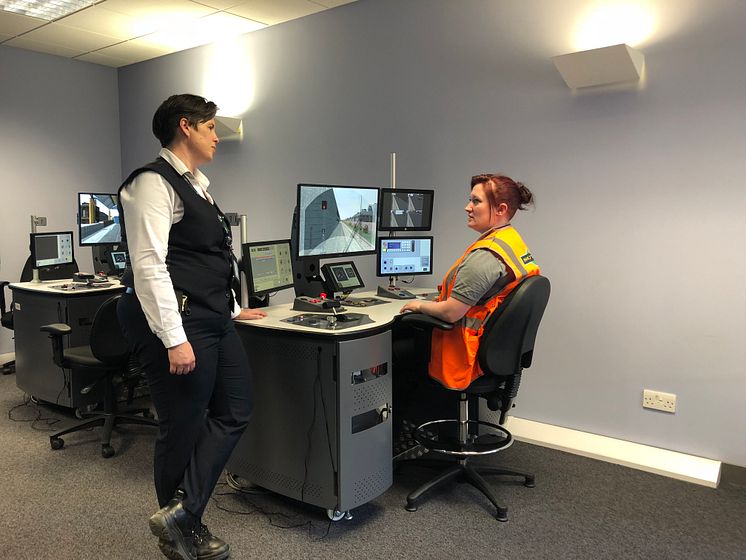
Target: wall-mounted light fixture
(228, 128)
(616, 64)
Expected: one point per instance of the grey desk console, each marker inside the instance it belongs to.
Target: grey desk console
(37, 304)
(321, 429)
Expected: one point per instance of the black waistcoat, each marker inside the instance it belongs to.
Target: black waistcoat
(198, 260)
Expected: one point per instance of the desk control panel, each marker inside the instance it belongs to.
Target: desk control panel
(363, 301)
(329, 322)
(317, 304)
(80, 286)
(394, 293)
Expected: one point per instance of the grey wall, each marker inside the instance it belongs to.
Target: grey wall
(59, 132)
(639, 218)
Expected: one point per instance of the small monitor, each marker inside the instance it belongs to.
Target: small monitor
(98, 219)
(268, 266)
(118, 260)
(341, 276)
(336, 221)
(406, 209)
(404, 256)
(51, 249)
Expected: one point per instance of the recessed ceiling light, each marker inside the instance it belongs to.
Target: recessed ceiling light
(49, 9)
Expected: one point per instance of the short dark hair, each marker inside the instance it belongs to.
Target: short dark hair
(194, 108)
(501, 188)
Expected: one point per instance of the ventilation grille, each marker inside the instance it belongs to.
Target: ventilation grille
(368, 396)
(291, 486)
(371, 487)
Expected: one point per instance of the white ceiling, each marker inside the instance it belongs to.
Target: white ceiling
(120, 32)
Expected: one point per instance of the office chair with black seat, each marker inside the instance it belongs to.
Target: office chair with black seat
(109, 358)
(6, 319)
(57, 272)
(505, 348)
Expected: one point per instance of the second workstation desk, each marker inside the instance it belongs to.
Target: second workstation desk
(41, 303)
(321, 428)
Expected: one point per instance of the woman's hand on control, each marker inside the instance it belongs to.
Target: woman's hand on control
(181, 359)
(412, 306)
(251, 314)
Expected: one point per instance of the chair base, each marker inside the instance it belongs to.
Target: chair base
(107, 420)
(8, 367)
(463, 471)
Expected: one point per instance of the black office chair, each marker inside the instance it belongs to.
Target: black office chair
(108, 356)
(505, 349)
(59, 272)
(6, 320)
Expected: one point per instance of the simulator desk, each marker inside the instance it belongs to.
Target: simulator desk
(321, 427)
(36, 304)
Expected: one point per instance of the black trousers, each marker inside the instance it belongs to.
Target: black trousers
(202, 414)
(417, 397)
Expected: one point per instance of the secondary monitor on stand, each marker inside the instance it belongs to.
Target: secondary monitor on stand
(406, 209)
(402, 256)
(99, 228)
(51, 253)
(268, 266)
(330, 221)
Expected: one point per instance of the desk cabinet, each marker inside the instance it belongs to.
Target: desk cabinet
(36, 373)
(321, 429)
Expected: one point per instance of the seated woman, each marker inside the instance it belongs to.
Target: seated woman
(472, 289)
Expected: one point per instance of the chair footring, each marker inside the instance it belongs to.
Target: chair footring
(472, 447)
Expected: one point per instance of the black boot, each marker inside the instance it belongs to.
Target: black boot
(179, 528)
(209, 547)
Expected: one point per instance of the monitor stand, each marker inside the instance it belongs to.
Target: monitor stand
(394, 292)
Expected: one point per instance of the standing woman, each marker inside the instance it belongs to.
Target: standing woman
(480, 280)
(177, 315)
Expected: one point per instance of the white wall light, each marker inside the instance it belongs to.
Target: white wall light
(228, 128)
(617, 64)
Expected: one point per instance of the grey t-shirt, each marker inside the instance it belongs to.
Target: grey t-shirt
(480, 276)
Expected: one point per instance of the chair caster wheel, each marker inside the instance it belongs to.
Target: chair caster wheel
(502, 515)
(530, 482)
(107, 451)
(148, 414)
(410, 507)
(56, 443)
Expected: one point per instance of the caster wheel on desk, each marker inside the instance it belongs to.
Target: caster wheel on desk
(107, 451)
(335, 515)
(56, 443)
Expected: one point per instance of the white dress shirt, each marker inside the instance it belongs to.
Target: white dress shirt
(151, 207)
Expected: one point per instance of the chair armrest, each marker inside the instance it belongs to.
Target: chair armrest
(56, 329)
(423, 320)
(3, 283)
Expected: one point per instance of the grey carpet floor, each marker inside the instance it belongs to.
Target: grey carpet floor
(72, 504)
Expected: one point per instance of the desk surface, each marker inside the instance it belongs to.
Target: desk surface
(53, 287)
(382, 315)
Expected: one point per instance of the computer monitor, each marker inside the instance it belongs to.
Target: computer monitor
(335, 221)
(341, 277)
(118, 260)
(406, 209)
(268, 266)
(404, 256)
(98, 219)
(51, 249)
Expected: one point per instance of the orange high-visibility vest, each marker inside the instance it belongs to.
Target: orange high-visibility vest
(453, 355)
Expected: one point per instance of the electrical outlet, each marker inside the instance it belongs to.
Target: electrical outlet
(659, 400)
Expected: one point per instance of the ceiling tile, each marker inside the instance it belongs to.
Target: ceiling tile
(105, 60)
(160, 9)
(134, 50)
(274, 11)
(202, 31)
(32, 45)
(332, 3)
(218, 4)
(106, 22)
(70, 37)
(15, 24)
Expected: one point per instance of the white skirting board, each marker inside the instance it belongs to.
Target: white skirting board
(635, 455)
